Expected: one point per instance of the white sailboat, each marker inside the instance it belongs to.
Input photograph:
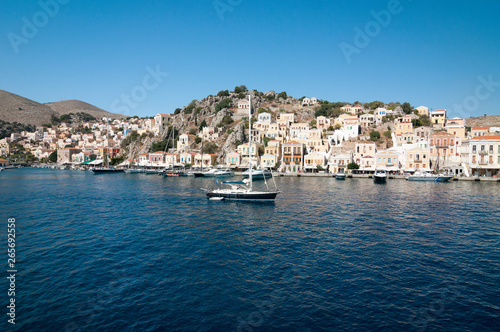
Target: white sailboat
(243, 192)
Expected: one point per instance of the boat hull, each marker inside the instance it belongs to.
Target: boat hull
(263, 196)
(430, 178)
(107, 171)
(340, 176)
(380, 179)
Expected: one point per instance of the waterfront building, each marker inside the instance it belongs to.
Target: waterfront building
(273, 148)
(417, 159)
(292, 156)
(313, 160)
(233, 159)
(157, 158)
(482, 155)
(207, 159)
(338, 163)
(65, 155)
(388, 160)
(364, 149)
(443, 145)
(4, 162)
(187, 158)
(268, 161)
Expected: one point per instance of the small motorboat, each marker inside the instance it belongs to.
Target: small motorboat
(380, 176)
(340, 176)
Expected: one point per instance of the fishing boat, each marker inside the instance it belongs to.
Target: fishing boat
(380, 176)
(425, 176)
(258, 174)
(340, 176)
(245, 191)
(223, 173)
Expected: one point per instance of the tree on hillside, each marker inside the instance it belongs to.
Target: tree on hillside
(374, 135)
(53, 157)
(223, 93)
(223, 104)
(203, 124)
(239, 89)
(407, 108)
(209, 147)
(282, 95)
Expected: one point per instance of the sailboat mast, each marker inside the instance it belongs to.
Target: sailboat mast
(250, 139)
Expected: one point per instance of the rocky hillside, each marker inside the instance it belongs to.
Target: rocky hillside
(14, 108)
(77, 106)
(219, 111)
(483, 121)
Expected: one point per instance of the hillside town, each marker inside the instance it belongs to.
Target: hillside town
(288, 135)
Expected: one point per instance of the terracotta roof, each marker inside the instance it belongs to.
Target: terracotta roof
(493, 137)
(480, 128)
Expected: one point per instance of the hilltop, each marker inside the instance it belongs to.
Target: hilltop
(15, 108)
(77, 106)
(484, 121)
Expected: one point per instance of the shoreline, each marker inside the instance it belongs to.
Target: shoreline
(329, 175)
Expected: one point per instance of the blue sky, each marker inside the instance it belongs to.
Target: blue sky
(440, 54)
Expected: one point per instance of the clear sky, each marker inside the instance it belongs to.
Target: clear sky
(163, 54)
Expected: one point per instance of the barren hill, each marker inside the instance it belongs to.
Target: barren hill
(75, 106)
(483, 121)
(14, 108)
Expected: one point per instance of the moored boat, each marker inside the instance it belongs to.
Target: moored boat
(258, 174)
(243, 192)
(102, 170)
(340, 176)
(425, 176)
(380, 176)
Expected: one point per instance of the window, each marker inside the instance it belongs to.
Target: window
(474, 150)
(378, 159)
(491, 148)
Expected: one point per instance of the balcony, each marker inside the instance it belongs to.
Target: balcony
(483, 162)
(418, 161)
(389, 164)
(483, 152)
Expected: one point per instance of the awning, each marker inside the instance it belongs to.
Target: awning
(96, 162)
(87, 162)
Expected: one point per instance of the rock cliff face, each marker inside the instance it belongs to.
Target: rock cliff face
(209, 110)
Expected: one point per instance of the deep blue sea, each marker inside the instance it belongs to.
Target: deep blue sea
(135, 252)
